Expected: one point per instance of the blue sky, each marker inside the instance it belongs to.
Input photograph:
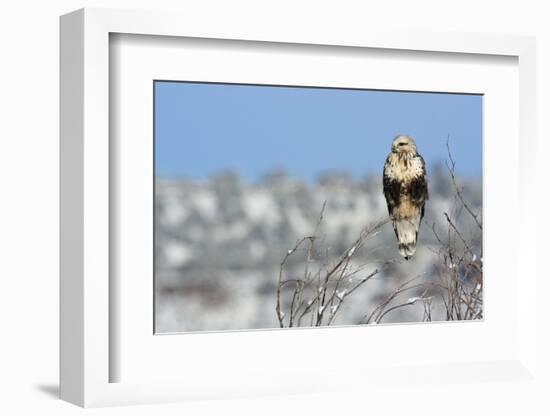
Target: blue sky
(202, 129)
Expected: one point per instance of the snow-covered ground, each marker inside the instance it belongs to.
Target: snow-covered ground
(219, 244)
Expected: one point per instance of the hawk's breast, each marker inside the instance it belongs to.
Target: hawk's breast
(403, 168)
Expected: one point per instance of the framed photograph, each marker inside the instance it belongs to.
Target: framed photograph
(272, 202)
(239, 205)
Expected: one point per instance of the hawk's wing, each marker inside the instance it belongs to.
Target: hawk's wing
(419, 187)
(392, 188)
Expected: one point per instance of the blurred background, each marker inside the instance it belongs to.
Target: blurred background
(242, 173)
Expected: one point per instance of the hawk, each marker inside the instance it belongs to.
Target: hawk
(406, 192)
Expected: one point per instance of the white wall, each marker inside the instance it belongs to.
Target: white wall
(29, 189)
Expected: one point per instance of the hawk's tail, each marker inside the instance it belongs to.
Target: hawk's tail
(406, 232)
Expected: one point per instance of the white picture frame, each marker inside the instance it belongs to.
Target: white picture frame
(88, 301)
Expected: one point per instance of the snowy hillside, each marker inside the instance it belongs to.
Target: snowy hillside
(219, 244)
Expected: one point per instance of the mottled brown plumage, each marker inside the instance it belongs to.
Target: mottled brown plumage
(406, 192)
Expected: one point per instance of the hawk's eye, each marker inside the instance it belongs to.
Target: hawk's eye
(402, 144)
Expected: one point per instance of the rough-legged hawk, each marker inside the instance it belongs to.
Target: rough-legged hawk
(406, 192)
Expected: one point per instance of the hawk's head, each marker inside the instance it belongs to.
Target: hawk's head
(403, 144)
